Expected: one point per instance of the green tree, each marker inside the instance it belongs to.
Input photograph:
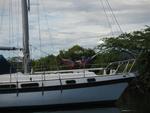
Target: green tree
(76, 52)
(52, 62)
(45, 63)
(136, 44)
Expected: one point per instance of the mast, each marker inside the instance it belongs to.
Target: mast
(25, 27)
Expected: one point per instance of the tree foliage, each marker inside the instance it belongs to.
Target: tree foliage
(76, 52)
(135, 44)
(52, 62)
(128, 45)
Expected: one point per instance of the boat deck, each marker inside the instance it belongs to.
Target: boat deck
(64, 77)
(20, 77)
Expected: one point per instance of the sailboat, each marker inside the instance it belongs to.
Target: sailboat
(63, 87)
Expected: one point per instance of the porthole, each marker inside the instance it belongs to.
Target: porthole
(30, 85)
(90, 80)
(8, 86)
(70, 82)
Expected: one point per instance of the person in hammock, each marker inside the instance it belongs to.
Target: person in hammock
(68, 62)
(84, 61)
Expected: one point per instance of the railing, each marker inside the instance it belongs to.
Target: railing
(125, 66)
(113, 68)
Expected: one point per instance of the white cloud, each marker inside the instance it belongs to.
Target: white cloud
(65, 23)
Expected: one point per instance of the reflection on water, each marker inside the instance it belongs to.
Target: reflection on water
(134, 101)
(95, 110)
(91, 110)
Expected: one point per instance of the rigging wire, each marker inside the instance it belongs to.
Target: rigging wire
(12, 23)
(115, 18)
(39, 30)
(10, 2)
(18, 27)
(10, 14)
(50, 35)
(2, 14)
(112, 20)
(107, 17)
(2, 20)
(36, 48)
(39, 26)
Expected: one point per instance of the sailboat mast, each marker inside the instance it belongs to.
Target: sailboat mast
(25, 26)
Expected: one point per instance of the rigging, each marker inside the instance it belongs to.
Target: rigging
(111, 17)
(2, 14)
(107, 17)
(112, 12)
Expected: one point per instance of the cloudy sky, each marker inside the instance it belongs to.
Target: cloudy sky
(60, 24)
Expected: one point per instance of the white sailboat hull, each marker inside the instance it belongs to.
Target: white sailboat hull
(99, 93)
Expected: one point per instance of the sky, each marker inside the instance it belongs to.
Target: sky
(59, 24)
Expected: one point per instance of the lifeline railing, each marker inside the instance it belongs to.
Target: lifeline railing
(112, 68)
(124, 66)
